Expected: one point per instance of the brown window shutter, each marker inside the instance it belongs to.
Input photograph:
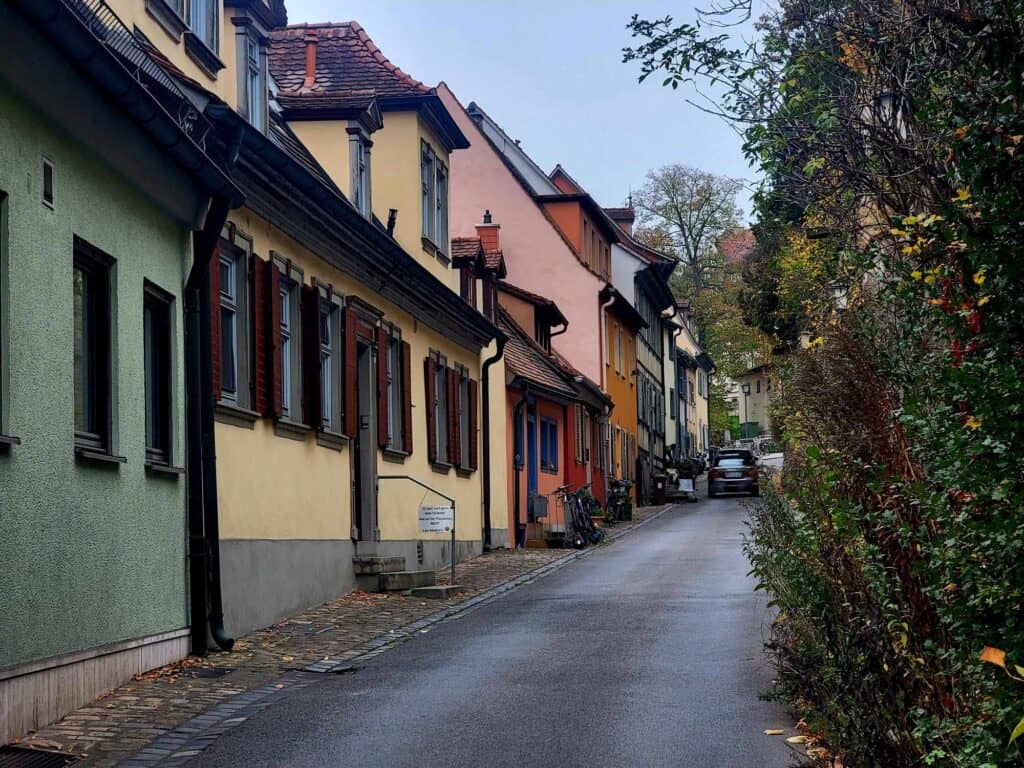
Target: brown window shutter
(258, 276)
(406, 398)
(274, 338)
(431, 395)
(351, 415)
(311, 378)
(473, 438)
(215, 320)
(383, 339)
(454, 419)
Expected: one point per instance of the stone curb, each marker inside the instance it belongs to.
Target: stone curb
(179, 746)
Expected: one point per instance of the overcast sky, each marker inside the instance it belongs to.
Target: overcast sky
(551, 73)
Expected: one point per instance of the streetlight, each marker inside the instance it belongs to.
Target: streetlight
(745, 388)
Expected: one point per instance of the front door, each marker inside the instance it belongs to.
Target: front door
(531, 452)
(364, 450)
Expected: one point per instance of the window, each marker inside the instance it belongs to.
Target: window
(758, 386)
(396, 406)
(542, 334)
(48, 182)
(156, 335)
(202, 18)
(434, 183)
(92, 347)
(548, 445)
(329, 340)
(255, 83)
(427, 182)
(291, 346)
(441, 409)
(234, 324)
(360, 159)
(465, 460)
(4, 271)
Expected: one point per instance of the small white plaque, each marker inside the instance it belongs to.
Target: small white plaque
(686, 484)
(437, 519)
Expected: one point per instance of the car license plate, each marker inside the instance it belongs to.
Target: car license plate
(733, 474)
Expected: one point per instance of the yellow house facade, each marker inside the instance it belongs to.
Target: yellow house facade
(348, 375)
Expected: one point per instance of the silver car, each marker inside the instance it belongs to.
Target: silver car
(735, 471)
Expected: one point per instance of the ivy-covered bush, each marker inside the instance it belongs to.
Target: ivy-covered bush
(891, 137)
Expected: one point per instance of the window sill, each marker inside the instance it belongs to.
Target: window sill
(464, 472)
(167, 18)
(98, 455)
(291, 430)
(441, 467)
(206, 59)
(6, 441)
(165, 471)
(234, 415)
(332, 440)
(394, 456)
(435, 250)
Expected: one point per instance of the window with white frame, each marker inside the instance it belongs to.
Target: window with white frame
(464, 458)
(330, 358)
(434, 184)
(234, 323)
(203, 18)
(290, 339)
(396, 411)
(255, 73)
(360, 158)
(441, 408)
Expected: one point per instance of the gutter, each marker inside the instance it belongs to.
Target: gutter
(207, 610)
(486, 406)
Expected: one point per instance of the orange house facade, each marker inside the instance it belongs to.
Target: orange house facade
(622, 325)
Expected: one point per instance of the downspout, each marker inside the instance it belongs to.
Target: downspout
(204, 532)
(681, 415)
(486, 404)
(517, 417)
(602, 326)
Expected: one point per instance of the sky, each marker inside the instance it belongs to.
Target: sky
(550, 72)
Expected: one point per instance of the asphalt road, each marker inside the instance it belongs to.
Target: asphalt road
(646, 653)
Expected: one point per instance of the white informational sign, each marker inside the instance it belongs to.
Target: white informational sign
(437, 519)
(686, 484)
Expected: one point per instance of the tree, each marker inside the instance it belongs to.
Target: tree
(684, 212)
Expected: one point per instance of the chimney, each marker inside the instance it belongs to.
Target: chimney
(624, 217)
(488, 233)
(311, 41)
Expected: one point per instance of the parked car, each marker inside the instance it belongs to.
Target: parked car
(734, 471)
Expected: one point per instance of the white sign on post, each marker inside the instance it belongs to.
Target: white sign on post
(686, 485)
(437, 519)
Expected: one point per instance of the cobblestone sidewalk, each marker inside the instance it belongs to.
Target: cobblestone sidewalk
(164, 717)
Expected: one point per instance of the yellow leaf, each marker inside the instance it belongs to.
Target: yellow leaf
(774, 732)
(961, 131)
(992, 655)
(962, 194)
(899, 232)
(979, 277)
(984, 300)
(974, 422)
(796, 739)
(1018, 731)
(929, 278)
(911, 220)
(916, 274)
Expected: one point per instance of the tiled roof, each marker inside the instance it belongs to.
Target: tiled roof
(465, 247)
(351, 99)
(494, 260)
(347, 63)
(526, 359)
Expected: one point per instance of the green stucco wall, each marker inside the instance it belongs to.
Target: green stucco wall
(89, 555)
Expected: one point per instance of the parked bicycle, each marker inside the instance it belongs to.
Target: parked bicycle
(620, 506)
(578, 507)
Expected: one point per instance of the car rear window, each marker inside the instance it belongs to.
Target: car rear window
(733, 461)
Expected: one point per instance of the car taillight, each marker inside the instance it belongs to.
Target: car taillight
(714, 474)
(752, 472)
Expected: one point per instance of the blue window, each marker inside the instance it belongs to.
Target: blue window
(549, 445)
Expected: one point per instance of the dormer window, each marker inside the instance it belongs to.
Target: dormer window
(434, 184)
(359, 157)
(255, 83)
(202, 18)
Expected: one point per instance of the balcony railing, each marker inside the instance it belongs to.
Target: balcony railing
(111, 32)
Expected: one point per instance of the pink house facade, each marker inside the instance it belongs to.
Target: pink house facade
(494, 173)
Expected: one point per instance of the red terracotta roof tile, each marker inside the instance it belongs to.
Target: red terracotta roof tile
(526, 359)
(347, 63)
(466, 247)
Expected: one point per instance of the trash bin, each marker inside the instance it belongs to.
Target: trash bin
(659, 490)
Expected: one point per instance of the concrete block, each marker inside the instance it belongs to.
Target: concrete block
(397, 581)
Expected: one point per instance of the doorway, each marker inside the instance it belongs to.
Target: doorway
(531, 452)
(364, 450)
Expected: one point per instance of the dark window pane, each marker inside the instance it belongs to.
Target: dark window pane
(228, 369)
(82, 394)
(157, 339)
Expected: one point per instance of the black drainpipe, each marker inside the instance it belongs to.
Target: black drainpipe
(486, 403)
(517, 417)
(204, 533)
